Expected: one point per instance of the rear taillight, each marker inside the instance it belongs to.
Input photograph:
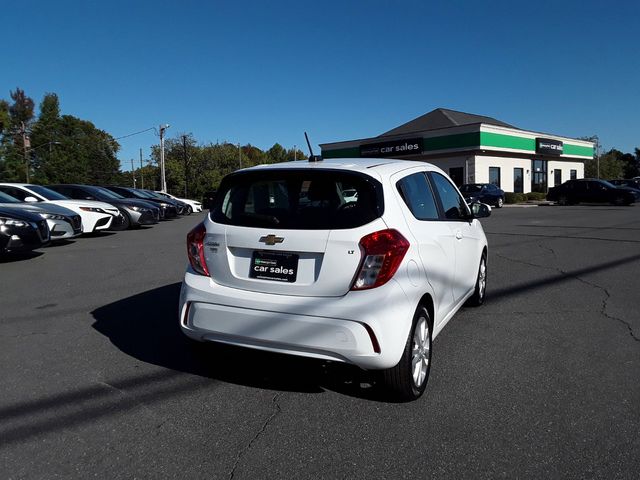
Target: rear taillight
(195, 249)
(383, 252)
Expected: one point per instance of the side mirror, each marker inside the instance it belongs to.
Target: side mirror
(30, 199)
(480, 210)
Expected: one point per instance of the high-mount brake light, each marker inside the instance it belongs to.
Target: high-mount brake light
(383, 252)
(195, 249)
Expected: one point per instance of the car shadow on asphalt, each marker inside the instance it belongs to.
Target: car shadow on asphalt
(145, 326)
(19, 256)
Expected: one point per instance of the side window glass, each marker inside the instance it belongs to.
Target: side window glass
(74, 193)
(416, 193)
(62, 191)
(16, 193)
(453, 205)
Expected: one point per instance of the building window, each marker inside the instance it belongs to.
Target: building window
(494, 176)
(573, 174)
(557, 177)
(518, 177)
(539, 176)
(457, 175)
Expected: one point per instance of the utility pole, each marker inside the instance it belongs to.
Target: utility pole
(163, 180)
(239, 156)
(25, 139)
(133, 174)
(184, 152)
(295, 152)
(141, 174)
(598, 153)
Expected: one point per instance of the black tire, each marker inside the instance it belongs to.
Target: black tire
(404, 381)
(499, 202)
(480, 291)
(126, 221)
(189, 210)
(620, 200)
(563, 200)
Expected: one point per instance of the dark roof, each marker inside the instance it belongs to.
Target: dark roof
(443, 118)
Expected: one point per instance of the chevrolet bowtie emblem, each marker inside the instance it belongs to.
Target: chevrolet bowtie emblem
(271, 239)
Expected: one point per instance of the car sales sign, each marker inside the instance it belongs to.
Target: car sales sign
(395, 148)
(548, 146)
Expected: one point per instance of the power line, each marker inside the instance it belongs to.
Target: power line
(136, 133)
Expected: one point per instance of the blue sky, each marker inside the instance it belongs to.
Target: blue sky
(264, 72)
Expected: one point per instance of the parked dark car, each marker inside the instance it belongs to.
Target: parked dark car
(133, 213)
(21, 231)
(168, 208)
(484, 193)
(590, 190)
(180, 206)
(632, 183)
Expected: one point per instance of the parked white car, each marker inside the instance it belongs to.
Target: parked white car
(63, 223)
(283, 263)
(95, 215)
(193, 204)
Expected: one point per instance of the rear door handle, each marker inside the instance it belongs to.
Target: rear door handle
(458, 234)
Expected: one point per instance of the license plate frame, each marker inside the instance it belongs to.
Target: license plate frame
(274, 266)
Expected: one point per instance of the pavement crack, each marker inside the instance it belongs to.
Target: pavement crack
(605, 300)
(273, 415)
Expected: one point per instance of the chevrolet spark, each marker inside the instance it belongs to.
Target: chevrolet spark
(290, 260)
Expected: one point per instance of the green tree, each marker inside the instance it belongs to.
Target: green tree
(44, 135)
(277, 154)
(12, 147)
(82, 154)
(611, 166)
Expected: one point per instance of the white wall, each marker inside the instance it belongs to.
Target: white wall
(566, 168)
(477, 169)
(506, 165)
(449, 162)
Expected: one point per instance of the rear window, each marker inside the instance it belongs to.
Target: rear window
(298, 199)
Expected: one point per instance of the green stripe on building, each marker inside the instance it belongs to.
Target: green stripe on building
(488, 139)
(461, 140)
(474, 140)
(578, 150)
(353, 152)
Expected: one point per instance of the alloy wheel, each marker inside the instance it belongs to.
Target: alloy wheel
(420, 352)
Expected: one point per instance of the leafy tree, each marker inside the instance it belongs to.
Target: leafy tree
(631, 164)
(277, 154)
(12, 147)
(5, 119)
(82, 154)
(611, 166)
(44, 135)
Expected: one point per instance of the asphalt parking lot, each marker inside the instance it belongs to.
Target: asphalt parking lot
(542, 381)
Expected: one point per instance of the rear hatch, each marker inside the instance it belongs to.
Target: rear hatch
(292, 232)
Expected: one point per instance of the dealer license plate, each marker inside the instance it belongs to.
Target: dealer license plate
(278, 266)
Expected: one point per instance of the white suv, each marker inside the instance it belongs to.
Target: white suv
(287, 262)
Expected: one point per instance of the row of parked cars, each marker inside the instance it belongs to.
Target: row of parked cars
(591, 190)
(31, 216)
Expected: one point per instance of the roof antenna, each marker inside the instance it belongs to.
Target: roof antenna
(312, 158)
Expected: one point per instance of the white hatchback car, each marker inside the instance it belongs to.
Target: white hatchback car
(284, 263)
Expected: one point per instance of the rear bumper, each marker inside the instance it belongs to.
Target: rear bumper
(367, 328)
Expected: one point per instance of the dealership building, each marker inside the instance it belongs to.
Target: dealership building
(476, 149)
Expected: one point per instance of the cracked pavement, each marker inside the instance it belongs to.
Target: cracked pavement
(542, 381)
